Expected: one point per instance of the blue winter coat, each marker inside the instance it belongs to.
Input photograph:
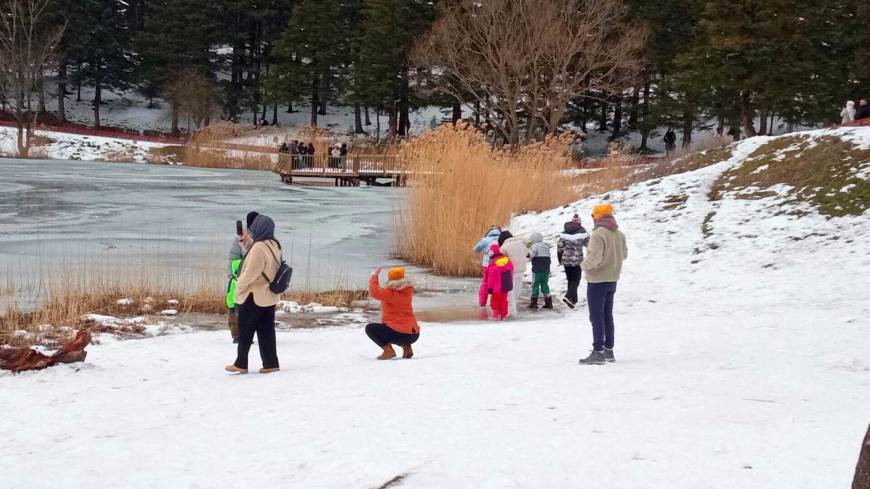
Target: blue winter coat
(483, 245)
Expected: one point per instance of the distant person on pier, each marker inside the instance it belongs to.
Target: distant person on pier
(398, 324)
(848, 112)
(310, 150)
(302, 149)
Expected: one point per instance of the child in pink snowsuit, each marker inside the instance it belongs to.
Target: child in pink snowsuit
(499, 276)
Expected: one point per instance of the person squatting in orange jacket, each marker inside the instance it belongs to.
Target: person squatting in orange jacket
(399, 326)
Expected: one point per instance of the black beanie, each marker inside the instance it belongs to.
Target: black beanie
(250, 218)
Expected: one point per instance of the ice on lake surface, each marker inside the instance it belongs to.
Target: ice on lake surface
(111, 216)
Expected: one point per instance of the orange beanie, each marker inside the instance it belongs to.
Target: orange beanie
(601, 210)
(396, 274)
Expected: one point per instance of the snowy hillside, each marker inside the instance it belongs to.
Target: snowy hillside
(62, 146)
(742, 362)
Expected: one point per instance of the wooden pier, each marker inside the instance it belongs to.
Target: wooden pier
(346, 171)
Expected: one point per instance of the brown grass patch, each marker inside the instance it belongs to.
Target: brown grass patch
(460, 186)
(821, 171)
(211, 147)
(66, 302)
(337, 297)
(62, 311)
(165, 155)
(125, 154)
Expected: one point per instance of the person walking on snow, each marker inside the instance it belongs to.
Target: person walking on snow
(569, 251)
(236, 255)
(482, 246)
(499, 278)
(603, 264)
(256, 300)
(399, 325)
(848, 112)
(540, 256)
(670, 141)
(515, 249)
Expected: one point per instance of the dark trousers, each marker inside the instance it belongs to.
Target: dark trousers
(260, 320)
(573, 276)
(384, 335)
(600, 303)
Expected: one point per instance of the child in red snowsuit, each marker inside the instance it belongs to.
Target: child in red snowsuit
(499, 281)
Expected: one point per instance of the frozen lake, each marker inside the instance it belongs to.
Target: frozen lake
(176, 223)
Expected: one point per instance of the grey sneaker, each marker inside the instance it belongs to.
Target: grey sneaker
(608, 355)
(594, 358)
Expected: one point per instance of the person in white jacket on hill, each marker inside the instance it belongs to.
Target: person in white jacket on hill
(848, 112)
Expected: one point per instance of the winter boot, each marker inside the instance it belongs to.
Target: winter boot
(608, 355)
(388, 353)
(534, 303)
(482, 314)
(548, 302)
(235, 370)
(594, 358)
(407, 351)
(568, 302)
(269, 370)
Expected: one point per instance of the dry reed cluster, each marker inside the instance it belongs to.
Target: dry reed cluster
(209, 148)
(460, 186)
(64, 300)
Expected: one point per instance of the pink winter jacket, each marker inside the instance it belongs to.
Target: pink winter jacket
(499, 273)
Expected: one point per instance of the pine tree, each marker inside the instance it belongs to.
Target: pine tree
(668, 96)
(309, 55)
(783, 57)
(178, 36)
(98, 44)
(387, 36)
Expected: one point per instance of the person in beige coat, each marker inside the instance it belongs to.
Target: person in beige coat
(603, 264)
(515, 249)
(255, 302)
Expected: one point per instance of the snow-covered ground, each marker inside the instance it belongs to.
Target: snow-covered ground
(741, 362)
(64, 146)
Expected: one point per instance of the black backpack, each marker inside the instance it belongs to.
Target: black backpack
(281, 282)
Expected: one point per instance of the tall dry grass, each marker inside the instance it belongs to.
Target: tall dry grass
(211, 147)
(460, 186)
(50, 303)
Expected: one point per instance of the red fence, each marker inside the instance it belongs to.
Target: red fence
(106, 133)
(859, 122)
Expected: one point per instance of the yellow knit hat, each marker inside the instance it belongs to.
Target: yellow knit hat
(396, 274)
(601, 210)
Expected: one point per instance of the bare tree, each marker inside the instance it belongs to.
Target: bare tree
(523, 60)
(193, 93)
(26, 46)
